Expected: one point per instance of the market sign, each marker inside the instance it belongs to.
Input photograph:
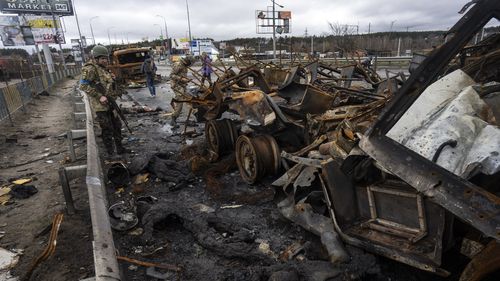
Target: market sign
(58, 7)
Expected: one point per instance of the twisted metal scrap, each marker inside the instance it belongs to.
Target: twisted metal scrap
(51, 246)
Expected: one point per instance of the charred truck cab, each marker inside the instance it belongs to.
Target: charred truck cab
(126, 65)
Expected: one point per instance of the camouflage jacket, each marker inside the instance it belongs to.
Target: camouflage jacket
(93, 74)
(178, 74)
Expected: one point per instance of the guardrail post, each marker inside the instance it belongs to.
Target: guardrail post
(78, 118)
(65, 176)
(79, 106)
(73, 135)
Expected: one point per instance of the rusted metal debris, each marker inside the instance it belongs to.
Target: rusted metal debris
(126, 64)
(51, 246)
(150, 264)
(345, 175)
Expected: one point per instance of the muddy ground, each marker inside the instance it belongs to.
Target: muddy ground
(35, 148)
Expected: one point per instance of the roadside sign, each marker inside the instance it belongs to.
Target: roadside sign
(37, 7)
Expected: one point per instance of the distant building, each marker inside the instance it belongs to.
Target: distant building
(198, 46)
(181, 46)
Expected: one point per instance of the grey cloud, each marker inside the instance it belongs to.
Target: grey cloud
(225, 19)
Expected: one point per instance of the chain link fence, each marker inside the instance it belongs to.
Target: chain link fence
(15, 96)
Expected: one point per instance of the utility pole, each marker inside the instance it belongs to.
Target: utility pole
(274, 26)
(399, 46)
(312, 45)
(274, 30)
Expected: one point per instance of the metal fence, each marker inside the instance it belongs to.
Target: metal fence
(15, 97)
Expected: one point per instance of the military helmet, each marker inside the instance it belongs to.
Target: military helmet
(99, 51)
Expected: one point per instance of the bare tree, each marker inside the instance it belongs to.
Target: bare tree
(344, 38)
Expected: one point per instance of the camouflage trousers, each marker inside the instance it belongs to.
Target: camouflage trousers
(111, 130)
(180, 93)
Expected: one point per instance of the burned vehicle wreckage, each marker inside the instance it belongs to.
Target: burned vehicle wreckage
(403, 168)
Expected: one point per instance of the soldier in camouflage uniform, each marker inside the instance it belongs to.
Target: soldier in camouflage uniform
(98, 83)
(179, 81)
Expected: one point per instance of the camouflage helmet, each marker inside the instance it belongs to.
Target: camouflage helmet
(99, 51)
(188, 60)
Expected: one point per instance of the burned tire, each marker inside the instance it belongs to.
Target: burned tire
(221, 136)
(257, 157)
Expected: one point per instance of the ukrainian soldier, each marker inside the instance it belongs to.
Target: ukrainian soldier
(179, 81)
(100, 87)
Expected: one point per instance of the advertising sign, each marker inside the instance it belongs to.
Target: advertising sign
(285, 14)
(75, 49)
(43, 29)
(13, 33)
(180, 43)
(37, 7)
(267, 22)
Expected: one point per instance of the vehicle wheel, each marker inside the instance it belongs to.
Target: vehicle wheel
(221, 136)
(484, 264)
(257, 157)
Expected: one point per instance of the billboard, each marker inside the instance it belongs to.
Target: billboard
(37, 7)
(30, 30)
(76, 51)
(13, 33)
(180, 43)
(43, 29)
(266, 20)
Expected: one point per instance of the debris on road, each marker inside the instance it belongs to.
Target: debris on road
(51, 246)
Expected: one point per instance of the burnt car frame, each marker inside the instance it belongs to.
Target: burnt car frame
(126, 65)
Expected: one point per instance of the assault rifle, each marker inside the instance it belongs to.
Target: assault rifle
(112, 103)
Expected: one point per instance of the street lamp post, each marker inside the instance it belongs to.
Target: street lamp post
(189, 27)
(166, 32)
(161, 30)
(274, 26)
(109, 37)
(91, 29)
(165, 23)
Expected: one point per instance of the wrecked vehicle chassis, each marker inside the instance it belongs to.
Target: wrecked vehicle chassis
(243, 116)
(407, 207)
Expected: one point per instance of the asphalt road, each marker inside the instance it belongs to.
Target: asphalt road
(163, 91)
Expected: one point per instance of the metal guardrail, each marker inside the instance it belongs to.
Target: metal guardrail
(105, 262)
(16, 96)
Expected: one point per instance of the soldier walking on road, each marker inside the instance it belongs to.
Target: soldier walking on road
(179, 81)
(100, 87)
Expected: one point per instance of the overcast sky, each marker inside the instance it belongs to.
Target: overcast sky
(226, 19)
